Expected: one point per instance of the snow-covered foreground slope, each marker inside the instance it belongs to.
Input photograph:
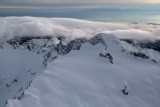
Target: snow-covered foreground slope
(98, 75)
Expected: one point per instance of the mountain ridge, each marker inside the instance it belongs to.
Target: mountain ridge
(111, 57)
(51, 48)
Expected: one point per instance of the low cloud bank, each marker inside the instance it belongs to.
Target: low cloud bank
(11, 27)
(132, 34)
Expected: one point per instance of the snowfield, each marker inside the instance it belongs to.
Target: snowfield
(58, 62)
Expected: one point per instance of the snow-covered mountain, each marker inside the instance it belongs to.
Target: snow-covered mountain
(73, 63)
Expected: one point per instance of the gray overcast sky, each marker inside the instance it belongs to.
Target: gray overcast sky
(63, 1)
(31, 4)
(61, 5)
(84, 9)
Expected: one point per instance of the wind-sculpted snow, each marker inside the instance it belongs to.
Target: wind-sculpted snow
(11, 27)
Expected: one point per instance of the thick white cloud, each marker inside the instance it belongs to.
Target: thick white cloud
(132, 34)
(11, 27)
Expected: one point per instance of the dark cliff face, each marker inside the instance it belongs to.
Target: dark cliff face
(51, 50)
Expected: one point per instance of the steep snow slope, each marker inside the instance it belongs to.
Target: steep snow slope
(17, 69)
(100, 74)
